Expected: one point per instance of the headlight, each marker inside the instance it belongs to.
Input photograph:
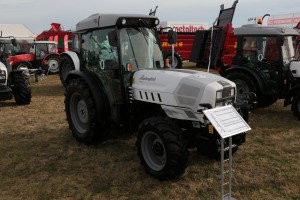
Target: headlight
(225, 97)
(232, 92)
(219, 95)
(2, 72)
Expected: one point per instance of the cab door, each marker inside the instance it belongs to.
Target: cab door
(102, 59)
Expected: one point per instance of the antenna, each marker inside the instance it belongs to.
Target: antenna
(152, 13)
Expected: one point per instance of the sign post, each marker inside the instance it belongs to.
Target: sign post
(228, 122)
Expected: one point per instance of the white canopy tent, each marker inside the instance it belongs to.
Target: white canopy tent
(19, 31)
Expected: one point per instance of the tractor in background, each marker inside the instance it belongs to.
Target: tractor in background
(13, 83)
(41, 55)
(261, 60)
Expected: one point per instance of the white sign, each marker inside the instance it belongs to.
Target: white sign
(180, 26)
(227, 121)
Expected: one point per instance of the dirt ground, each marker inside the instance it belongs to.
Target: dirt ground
(41, 160)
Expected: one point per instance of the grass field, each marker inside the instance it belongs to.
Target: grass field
(39, 158)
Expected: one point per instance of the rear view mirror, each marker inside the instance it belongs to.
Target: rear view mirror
(172, 36)
(113, 38)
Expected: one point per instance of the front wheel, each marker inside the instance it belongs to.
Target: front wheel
(161, 148)
(21, 88)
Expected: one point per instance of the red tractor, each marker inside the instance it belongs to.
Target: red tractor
(36, 55)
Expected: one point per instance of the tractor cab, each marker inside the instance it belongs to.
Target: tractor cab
(114, 48)
(42, 49)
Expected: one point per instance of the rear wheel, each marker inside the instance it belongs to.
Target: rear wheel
(161, 148)
(66, 65)
(244, 84)
(21, 88)
(81, 113)
(53, 63)
(177, 59)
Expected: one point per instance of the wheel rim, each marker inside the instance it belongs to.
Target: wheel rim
(242, 88)
(153, 151)
(53, 65)
(79, 113)
(175, 62)
(24, 68)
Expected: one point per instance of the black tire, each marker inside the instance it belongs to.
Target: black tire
(161, 148)
(212, 148)
(296, 105)
(244, 84)
(177, 59)
(53, 64)
(21, 88)
(81, 113)
(66, 65)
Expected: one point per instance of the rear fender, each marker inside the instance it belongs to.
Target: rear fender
(74, 57)
(251, 72)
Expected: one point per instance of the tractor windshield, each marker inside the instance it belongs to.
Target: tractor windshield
(140, 47)
(257, 50)
(6, 47)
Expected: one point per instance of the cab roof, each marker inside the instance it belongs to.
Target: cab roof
(100, 20)
(254, 29)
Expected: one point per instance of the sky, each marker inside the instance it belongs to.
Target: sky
(37, 15)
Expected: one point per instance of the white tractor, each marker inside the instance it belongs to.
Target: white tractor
(118, 79)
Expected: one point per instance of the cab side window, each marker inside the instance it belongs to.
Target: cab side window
(97, 52)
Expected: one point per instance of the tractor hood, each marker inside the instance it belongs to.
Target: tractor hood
(180, 88)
